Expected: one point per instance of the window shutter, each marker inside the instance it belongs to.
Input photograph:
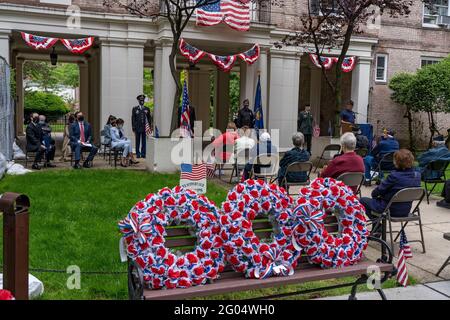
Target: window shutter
(315, 7)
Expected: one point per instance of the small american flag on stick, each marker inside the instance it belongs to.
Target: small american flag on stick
(404, 254)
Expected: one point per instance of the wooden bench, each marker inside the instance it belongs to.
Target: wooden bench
(180, 239)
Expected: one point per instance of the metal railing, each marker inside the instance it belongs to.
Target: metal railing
(260, 12)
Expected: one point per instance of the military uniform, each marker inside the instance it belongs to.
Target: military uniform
(246, 118)
(139, 118)
(305, 125)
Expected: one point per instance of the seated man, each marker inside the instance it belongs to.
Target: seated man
(404, 176)
(245, 141)
(297, 154)
(49, 142)
(361, 140)
(349, 161)
(387, 144)
(34, 140)
(438, 152)
(81, 140)
(264, 146)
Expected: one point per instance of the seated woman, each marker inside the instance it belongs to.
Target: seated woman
(404, 176)
(297, 154)
(224, 144)
(107, 130)
(349, 161)
(264, 146)
(118, 140)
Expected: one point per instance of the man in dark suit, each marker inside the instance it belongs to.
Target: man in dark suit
(81, 140)
(140, 117)
(34, 140)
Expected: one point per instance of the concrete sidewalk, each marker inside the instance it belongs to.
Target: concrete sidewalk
(429, 291)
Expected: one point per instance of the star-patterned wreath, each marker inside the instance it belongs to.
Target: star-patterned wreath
(243, 249)
(144, 233)
(322, 197)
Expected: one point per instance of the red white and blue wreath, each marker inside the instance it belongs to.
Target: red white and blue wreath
(144, 233)
(322, 197)
(243, 249)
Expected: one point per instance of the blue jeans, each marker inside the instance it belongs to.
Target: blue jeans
(141, 144)
(369, 162)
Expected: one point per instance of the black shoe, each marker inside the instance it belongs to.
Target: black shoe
(367, 183)
(35, 166)
(77, 166)
(87, 164)
(50, 165)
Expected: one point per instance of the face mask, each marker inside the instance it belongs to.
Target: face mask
(41, 122)
(81, 118)
(120, 127)
(35, 120)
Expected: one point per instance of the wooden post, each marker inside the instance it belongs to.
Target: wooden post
(15, 243)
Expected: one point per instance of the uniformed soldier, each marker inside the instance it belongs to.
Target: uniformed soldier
(305, 125)
(140, 117)
(246, 118)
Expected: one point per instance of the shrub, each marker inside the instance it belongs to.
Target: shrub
(46, 103)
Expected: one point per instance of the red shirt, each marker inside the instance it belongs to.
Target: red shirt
(224, 145)
(348, 162)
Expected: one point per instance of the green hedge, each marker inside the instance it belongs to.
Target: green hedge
(46, 103)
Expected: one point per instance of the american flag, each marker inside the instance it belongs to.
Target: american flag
(235, 13)
(404, 254)
(148, 128)
(196, 172)
(210, 170)
(185, 122)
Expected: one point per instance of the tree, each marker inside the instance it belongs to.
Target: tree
(178, 13)
(45, 103)
(426, 91)
(49, 77)
(400, 85)
(332, 23)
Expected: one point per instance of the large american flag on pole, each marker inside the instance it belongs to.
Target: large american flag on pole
(404, 254)
(235, 13)
(185, 121)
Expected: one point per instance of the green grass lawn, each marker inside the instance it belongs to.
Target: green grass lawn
(74, 217)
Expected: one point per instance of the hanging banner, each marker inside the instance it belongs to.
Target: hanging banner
(224, 63)
(250, 56)
(38, 42)
(193, 54)
(235, 13)
(349, 64)
(78, 46)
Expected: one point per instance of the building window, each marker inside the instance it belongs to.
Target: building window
(431, 12)
(381, 68)
(322, 7)
(426, 61)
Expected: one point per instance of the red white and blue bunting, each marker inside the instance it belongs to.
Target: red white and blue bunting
(224, 63)
(348, 64)
(38, 42)
(76, 46)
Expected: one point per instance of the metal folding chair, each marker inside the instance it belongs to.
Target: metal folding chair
(405, 195)
(106, 146)
(385, 165)
(324, 157)
(297, 167)
(240, 160)
(353, 179)
(270, 164)
(447, 262)
(439, 166)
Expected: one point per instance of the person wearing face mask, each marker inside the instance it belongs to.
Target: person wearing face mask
(140, 117)
(48, 141)
(34, 140)
(118, 140)
(81, 140)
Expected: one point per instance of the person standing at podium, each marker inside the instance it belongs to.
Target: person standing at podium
(348, 118)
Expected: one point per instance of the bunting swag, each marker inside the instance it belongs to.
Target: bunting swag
(348, 64)
(38, 42)
(224, 63)
(78, 46)
(193, 54)
(250, 56)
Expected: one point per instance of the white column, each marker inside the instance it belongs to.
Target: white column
(284, 94)
(263, 71)
(4, 44)
(199, 95)
(248, 85)
(360, 89)
(165, 89)
(122, 73)
(222, 100)
(84, 90)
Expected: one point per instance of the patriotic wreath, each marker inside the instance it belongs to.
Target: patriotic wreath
(243, 249)
(144, 232)
(322, 197)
